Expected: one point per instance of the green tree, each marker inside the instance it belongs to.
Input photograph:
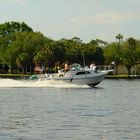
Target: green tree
(99, 56)
(109, 53)
(43, 56)
(7, 37)
(119, 38)
(72, 50)
(101, 43)
(137, 51)
(95, 52)
(126, 57)
(129, 55)
(132, 47)
(12, 27)
(32, 42)
(22, 49)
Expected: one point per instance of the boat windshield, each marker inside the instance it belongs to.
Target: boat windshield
(76, 66)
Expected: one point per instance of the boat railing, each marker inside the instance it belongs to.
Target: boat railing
(106, 68)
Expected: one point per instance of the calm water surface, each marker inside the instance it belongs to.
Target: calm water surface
(111, 111)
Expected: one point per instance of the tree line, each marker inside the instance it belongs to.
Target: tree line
(21, 47)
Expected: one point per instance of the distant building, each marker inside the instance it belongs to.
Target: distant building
(123, 70)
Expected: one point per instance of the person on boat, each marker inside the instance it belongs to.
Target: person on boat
(93, 67)
(66, 66)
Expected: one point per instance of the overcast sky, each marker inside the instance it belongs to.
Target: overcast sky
(86, 19)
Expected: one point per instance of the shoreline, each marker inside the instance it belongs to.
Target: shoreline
(14, 76)
(122, 77)
(25, 76)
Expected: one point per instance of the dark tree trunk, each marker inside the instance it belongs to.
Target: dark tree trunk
(129, 70)
(32, 69)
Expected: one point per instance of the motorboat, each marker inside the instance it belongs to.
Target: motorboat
(75, 75)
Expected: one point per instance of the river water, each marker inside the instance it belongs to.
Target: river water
(31, 111)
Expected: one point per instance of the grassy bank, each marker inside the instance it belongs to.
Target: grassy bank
(118, 76)
(14, 76)
(122, 76)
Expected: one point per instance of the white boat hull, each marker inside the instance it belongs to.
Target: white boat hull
(87, 79)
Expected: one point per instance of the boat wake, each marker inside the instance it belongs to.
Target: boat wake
(10, 83)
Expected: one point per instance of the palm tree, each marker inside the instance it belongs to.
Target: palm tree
(119, 37)
(132, 46)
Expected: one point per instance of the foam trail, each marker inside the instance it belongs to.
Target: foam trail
(25, 83)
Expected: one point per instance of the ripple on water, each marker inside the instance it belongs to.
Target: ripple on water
(108, 112)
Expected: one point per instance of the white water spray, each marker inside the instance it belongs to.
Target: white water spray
(27, 83)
